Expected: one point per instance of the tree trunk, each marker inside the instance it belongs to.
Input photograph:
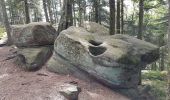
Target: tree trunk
(140, 35)
(84, 10)
(80, 13)
(55, 11)
(162, 65)
(118, 16)
(45, 10)
(168, 77)
(66, 17)
(60, 3)
(141, 14)
(50, 11)
(35, 15)
(112, 17)
(96, 9)
(27, 16)
(1, 18)
(154, 66)
(74, 13)
(122, 15)
(6, 22)
(100, 8)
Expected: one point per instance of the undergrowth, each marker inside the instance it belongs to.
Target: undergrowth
(157, 82)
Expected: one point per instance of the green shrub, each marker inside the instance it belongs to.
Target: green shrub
(158, 83)
(154, 75)
(158, 89)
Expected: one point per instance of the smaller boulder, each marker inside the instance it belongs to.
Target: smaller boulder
(70, 91)
(33, 58)
(33, 34)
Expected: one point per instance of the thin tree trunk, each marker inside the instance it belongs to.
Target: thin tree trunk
(36, 19)
(133, 12)
(140, 32)
(112, 17)
(154, 66)
(11, 20)
(90, 16)
(69, 13)
(27, 16)
(100, 8)
(162, 67)
(122, 16)
(118, 17)
(168, 77)
(45, 10)
(55, 11)
(84, 11)
(6, 22)
(50, 11)
(141, 14)
(80, 13)
(74, 13)
(96, 8)
(162, 54)
(66, 18)
(1, 20)
(60, 3)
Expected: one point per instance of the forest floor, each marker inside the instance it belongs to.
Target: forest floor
(17, 84)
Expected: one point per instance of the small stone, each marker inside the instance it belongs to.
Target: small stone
(70, 91)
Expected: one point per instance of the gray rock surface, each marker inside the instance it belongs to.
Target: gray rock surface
(34, 42)
(33, 34)
(34, 58)
(70, 91)
(113, 60)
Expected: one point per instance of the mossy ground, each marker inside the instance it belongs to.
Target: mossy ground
(157, 81)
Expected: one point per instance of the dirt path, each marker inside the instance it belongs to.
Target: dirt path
(16, 84)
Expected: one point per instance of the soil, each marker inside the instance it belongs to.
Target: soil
(17, 84)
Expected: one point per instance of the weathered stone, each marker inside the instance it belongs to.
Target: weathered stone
(96, 28)
(113, 60)
(33, 34)
(33, 58)
(70, 91)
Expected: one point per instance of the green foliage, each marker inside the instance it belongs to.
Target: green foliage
(2, 31)
(155, 21)
(158, 89)
(155, 75)
(157, 82)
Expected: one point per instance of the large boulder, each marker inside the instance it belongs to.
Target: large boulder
(34, 58)
(113, 60)
(33, 34)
